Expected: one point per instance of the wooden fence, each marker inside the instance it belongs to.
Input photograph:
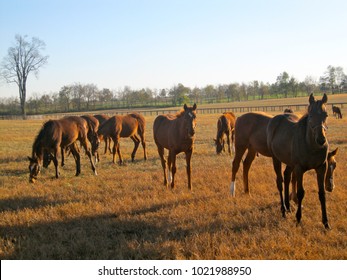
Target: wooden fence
(155, 112)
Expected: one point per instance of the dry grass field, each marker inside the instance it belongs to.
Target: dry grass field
(125, 212)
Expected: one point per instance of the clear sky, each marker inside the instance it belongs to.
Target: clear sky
(159, 43)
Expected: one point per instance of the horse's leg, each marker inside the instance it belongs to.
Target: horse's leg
(55, 161)
(235, 167)
(279, 181)
(89, 154)
(246, 166)
(62, 157)
(77, 158)
(172, 167)
(320, 180)
(293, 195)
(233, 140)
(143, 142)
(163, 162)
(119, 153)
(228, 142)
(189, 171)
(287, 177)
(105, 140)
(136, 146)
(300, 191)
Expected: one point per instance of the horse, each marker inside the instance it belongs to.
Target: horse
(250, 135)
(337, 112)
(92, 134)
(90, 125)
(301, 145)
(175, 133)
(132, 125)
(103, 118)
(288, 111)
(225, 126)
(56, 134)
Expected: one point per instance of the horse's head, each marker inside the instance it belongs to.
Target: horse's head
(34, 168)
(317, 116)
(219, 144)
(190, 119)
(329, 178)
(95, 142)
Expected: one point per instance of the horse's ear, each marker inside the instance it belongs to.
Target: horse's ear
(185, 107)
(215, 140)
(333, 153)
(311, 99)
(194, 107)
(325, 98)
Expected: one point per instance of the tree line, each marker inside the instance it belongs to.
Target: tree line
(85, 97)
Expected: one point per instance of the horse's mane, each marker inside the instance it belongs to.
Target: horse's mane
(37, 142)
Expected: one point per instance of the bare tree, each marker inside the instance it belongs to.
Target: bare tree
(22, 59)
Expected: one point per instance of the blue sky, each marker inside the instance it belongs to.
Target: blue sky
(158, 44)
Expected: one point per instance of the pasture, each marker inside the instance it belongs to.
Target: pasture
(126, 213)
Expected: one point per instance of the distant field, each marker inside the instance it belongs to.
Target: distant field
(126, 213)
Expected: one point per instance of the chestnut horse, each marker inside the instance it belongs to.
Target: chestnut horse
(90, 125)
(301, 145)
(225, 126)
(250, 135)
(56, 134)
(177, 134)
(132, 125)
(336, 112)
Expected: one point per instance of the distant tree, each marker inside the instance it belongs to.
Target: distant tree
(282, 83)
(21, 60)
(332, 79)
(310, 85)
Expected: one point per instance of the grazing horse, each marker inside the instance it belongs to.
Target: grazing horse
(177, 134)
(337, 112)
(103, 118)
(56, 134)
(301, 145)
(225, 126)
(132, 125)
(92, 134)
(90, 125)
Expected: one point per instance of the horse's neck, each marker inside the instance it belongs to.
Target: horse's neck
(37, 149)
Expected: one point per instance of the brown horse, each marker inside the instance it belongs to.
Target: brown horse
(103, 118)
(56, 134)
(92, 134)
(337, 112)
(132, 125)
(250, 135)
(301, 145)
(90, 125)
(225, 126)
(177, 134)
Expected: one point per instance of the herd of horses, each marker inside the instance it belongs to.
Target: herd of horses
(300, 143)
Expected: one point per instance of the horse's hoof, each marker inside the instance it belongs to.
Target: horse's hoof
(96, 173)
(327, 226)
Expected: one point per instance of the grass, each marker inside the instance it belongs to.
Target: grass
(126, 213)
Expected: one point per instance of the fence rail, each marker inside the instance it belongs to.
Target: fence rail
(155, 112)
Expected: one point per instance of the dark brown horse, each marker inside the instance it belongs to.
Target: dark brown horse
(132, 125)
(56, 134)
(103, 118)
(301, 145)
(225, 126)
(177, 134)
(337, 112)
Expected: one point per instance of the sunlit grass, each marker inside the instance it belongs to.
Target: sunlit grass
(126, 213)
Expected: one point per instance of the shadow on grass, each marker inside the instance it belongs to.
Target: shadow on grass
(143, 233)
